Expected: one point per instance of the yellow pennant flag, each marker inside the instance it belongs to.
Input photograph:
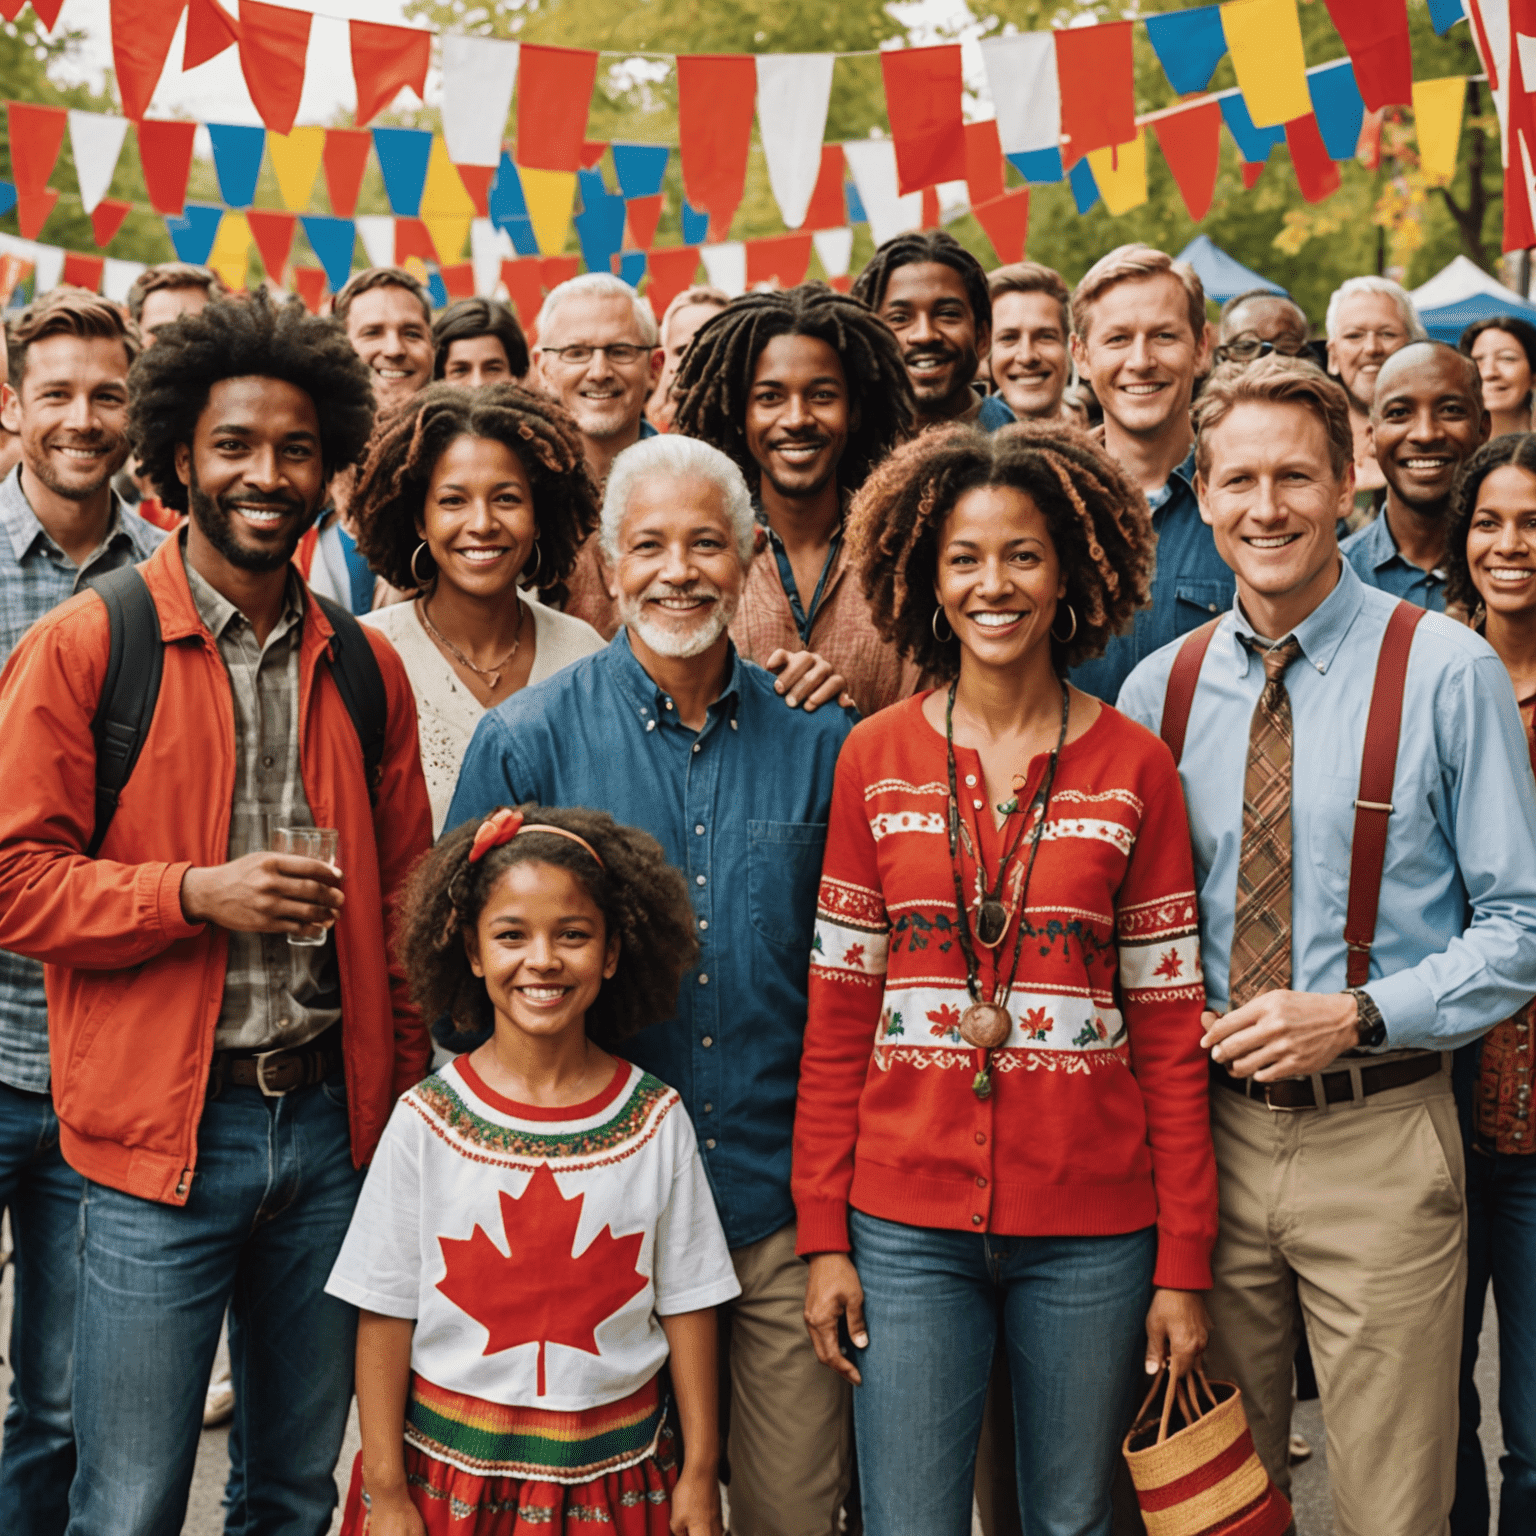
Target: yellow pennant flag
(296, 162)
(232, 250)
(446, 208)
(449, 231)
(550, 195)
(1121, 174)
(1437, 108)
(1264, 39)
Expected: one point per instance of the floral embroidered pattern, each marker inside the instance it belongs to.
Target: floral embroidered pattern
(944, 1022)
(1036, 1024)
(851, 905)
(1171, 917)
(1170, 965)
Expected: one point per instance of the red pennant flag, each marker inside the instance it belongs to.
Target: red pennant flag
(930, 207)
(1098, 88)
(923, 95)
(413, 239)
(273, 45)
(1316, 174)
(1252, 170)
(32, 210)
(525, 289)
(36, 134)
(554, 270)
(477, 182)
(1006, 222)
(165, 153)
(210, 30)
(644, 214)
(983, 162)
(107, 218)
(843, 284)
(384, 59)
(554, 91)
(592, 150)
(716, 95)
(1376, 34)
(82, 271)
(142, 31)
(459, 279)
(671, 271)
(344, 158)
(1191, 144)
(273, 233)
(310, 283)
(46, 11)
(785, 258)
(828, 206)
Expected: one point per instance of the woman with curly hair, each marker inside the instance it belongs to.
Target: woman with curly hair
(536, 1237)
(467, 496)
(1002, 1118)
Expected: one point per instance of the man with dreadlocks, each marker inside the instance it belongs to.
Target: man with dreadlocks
(218, 1090)
(805, 389)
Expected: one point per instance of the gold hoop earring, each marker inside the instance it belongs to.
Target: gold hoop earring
(538, 561)
(933, 624)
(1071, 634)
(421, 585)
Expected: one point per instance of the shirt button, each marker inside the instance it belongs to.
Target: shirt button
(698, 879)
(976, 1221)
(709, 1109)
(981, 1138)
(703, 922)
(266, 762)
(733, 725)
(700, 829)
(1210, 607)
(970, 779)
(710, 1143)
(981, 1183)
(707, 1041)
(696, 747)
(703, 981)
(976, 804)
(669, 703)
(650, 725)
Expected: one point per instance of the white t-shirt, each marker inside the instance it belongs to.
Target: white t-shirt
(536, 1248)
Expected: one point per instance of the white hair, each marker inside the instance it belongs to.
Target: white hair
(599, 283)
(1373, 284)
(677, 458)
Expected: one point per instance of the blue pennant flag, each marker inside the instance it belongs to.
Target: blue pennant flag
(600, 224)
(695, 225)
(403, 154)
(1338, 107)
(1444, 14)
(1038, 166)
(1253, 144)
(194, 232)
(640, 167)
(1189, 45)
(1085, 190)
(332, 241)
(524, 241)
(7, 196)
(237, 155)
(504, 201)
(437, 289)
(632, 267)
(854, 204)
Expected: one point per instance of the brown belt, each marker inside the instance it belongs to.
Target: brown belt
(1338, 1087)
(277, 1072)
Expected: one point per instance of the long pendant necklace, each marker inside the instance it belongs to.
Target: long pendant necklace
(492, 673)
(986, 1025)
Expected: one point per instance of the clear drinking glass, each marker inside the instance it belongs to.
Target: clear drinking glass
(307, 843)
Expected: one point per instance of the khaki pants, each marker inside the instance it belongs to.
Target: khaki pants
(786, 1419)
(1349, 1221)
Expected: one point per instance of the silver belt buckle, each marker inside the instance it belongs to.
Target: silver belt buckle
(1284, 1109)
(261, 1059)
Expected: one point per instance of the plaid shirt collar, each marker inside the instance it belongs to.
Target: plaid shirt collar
(23, 529)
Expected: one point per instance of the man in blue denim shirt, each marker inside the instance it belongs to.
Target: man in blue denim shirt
(669, 730)
(60, 525)
(1140, 338)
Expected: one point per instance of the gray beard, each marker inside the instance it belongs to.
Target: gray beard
(667, 642)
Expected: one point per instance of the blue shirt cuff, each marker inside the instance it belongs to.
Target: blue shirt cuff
(1408, 1009)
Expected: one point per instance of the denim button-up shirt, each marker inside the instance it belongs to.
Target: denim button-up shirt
(37, 576)
(1455, 948)
(1191, 585)
(1373, 553)
(740, 808)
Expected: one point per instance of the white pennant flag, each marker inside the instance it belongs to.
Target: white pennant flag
(793, 90)
(488, 248)
(117, 277)
(49, 265)
(377, 232)
(478, 75)
(835, 249)
(873, 163)
(96, 141)
(727, 267)
(1021, 71)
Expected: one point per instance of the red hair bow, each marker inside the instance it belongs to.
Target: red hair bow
(497, 828)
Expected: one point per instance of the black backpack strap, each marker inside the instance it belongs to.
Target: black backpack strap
(129, 690)
(361, 685)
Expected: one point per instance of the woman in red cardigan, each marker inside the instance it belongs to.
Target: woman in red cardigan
(1002, 1119)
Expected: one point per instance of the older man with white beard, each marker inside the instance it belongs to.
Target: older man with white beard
(670, 730)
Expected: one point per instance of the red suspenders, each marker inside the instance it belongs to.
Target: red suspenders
(1378, 767)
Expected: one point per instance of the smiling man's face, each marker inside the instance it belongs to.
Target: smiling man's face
(391, 332)
(1426, 422)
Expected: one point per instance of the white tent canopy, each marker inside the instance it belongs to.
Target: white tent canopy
(1459, 281)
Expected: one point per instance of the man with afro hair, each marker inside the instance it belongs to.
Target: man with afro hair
(228, 1034)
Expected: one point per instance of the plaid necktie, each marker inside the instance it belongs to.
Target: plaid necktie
(1261, 930)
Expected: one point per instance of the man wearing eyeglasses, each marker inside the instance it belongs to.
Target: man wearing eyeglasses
(1260, 321)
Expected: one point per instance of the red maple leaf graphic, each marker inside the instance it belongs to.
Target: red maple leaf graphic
(854, 955)
(944, 1020)
(542, 1292)
(1170, 965)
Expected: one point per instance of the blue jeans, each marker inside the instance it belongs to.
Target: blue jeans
(269, 1206)
(1501, 1248)
(1073, 1313)
(43, 1194)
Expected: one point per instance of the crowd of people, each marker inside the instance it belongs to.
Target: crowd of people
(799, 898)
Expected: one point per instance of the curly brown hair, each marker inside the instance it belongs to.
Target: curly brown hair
(643, 899)
(1097, 518)
(406, 445)
(1513, 448)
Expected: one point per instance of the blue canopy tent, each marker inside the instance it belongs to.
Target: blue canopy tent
(1448, 321)
(1224, 276)
(1461, 293)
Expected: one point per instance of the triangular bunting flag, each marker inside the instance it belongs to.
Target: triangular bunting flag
(310, 285)
(1437, 108)
(641, 168)
(793, 91)
(983, 162)
(726, 264)
(642, 215)
(448, 232)
(1189, 45)
(600, 224)
(827, 208)
(1085, 191)
(377, 232)
(525, 290)
(1191, 143)
(834, 250)
(345, 158)
(36, 135)
(231, 253)
(715, 98)
(459, 279)
(1444, 14)
(1021, 72)
(477, 181)
(1376, 34)
(1337, 105)
(48, 265)
(82, 271)
(274, 42)
(1316, 174)
(1253, 144)
(165, 156)
(32, 210)
(142, 31)
(7, 196)
(1264, 38)
(404, 154)
(107, 218)
(930, 197)
(332, 241)
(273, 233)
(695, 224)
(783, 259)
(630, 267)
(1039, 166)
(1005, 219)
(1251, 173)
(443, 191)
(96, 141)
(237, 160)
(873, 164)
(488, 247)
(194, 232)
(592, 150)
(554, 91)
(118, 277)
(672, 270)
(505, 201)
(1098, 88)
(924, 96)
(385, 59)
(47, 12)
(210, 30)
(413, 239)
(478, 75)
(550, 196)
(295, 162)
(554, 270)
(437, 290)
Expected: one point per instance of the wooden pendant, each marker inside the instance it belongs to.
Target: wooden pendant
(985, 1025)
(991, 923)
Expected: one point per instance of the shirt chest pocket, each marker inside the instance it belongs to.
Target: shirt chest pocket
(783, 870)
(1199, 601)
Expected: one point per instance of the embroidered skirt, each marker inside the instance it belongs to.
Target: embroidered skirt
(483, 1469)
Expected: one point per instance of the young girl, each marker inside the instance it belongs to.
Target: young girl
(536, 1239)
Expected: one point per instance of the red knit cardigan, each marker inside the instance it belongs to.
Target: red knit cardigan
(1098, 1121)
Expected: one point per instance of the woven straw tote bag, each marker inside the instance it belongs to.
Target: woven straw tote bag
(1195, 1469)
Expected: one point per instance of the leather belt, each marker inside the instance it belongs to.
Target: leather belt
(277, 1072)
(1338, 1087)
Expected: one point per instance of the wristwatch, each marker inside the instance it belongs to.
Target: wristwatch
(1370, 1028)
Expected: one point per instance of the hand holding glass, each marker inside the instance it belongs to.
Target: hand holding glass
(308, 843)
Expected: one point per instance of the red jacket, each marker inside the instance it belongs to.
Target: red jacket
(134, 989)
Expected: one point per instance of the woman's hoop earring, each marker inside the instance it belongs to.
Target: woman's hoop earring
(1071, 634)
(421, 585)
(538, 560)
(933, 624)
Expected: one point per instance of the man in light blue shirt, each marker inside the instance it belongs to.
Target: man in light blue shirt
(1335, 1130)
